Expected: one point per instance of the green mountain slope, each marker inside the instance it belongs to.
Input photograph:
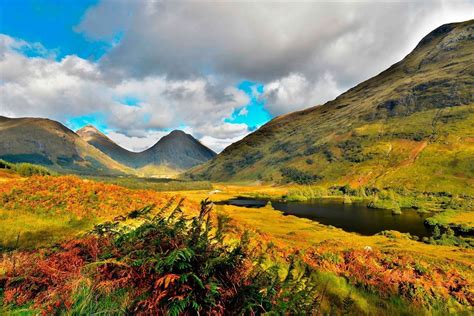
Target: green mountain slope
(174, 152)
(49, 143)
(410, 126)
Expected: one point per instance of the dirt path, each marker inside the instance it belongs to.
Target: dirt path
(414, 154)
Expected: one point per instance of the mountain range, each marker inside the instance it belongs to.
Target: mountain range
(177, 150)
(410, 127)
(49, 143)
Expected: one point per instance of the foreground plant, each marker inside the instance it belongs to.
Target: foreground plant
(157, 262)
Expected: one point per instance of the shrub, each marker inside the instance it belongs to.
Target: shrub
(298, 176)
(25, 169)
(287, 147)
(323, 149)
(351, 150)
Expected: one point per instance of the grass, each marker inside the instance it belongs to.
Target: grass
(80, 203)
(24, 230)
(25, 169)
(156, 184)
(462, 220)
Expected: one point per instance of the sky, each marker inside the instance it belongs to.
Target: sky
(215, 69)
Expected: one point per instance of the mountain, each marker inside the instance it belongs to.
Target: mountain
(179, 150)
(410, 127)
(97, 139)
(174, 152)
(49, 143)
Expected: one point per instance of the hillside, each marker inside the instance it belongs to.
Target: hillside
(408, 127)
(97, 139)
(174, 152)
(49, 143)
(179, 150)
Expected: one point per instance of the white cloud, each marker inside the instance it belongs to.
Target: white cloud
(219, 144)
(137, 144)
(243, 112)
(267, 41)
(296, 92)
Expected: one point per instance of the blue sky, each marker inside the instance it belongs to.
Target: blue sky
(51, 23)
(254, 114)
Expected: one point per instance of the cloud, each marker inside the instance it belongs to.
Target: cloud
(265, 40)
(136, 144)
(218, 144)
(295, 92)
(268, 41)
(43, 87)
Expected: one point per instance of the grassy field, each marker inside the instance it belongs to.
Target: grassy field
(344, 271)
(156, 184)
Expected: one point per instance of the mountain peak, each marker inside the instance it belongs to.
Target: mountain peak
(177, 132)
(88, 129)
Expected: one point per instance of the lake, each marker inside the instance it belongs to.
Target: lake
(355, 217)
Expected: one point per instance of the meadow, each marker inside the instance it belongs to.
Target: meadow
(74, 245)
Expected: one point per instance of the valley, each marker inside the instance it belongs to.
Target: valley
(81, 205)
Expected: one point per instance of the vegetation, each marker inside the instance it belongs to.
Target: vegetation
(298, 176)
(155, 184)
(40, 210)
(152, 252)
(443, 235)
(25, 169)
(168, 264)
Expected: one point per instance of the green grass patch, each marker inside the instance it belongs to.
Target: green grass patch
(160, 185)
(25, 169)
(27, 230)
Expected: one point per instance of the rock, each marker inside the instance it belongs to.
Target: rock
(397, 212)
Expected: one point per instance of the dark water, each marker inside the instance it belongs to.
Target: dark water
(354, 217)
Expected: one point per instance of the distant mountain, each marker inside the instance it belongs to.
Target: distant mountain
(410, 127)
(49, 143)
(97, 139)
(175, 151)
(179, 150)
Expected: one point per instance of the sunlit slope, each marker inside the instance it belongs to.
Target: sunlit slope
(410, 126)
(49, 143)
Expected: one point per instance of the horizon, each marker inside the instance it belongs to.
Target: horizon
(217, 85)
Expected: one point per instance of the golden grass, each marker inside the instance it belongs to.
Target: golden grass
(26, 230)
(285, 231)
